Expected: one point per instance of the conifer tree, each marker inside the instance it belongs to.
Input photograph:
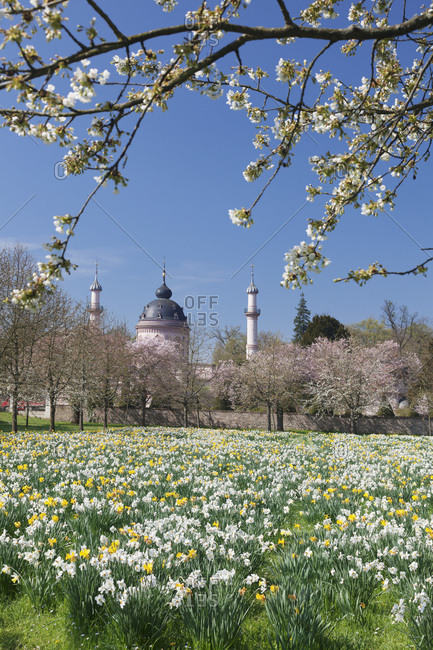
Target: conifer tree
(301, 320)
(324, 326)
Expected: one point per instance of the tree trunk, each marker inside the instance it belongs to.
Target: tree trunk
(27, 415)
(52, 413)
(198, 415)
(75, 414)
(280, 418)
(81, 418)
(143, 409)
(105, 413)
(269, 416)
(185, 414)
(14, 406)
(90, 414)
(352, 423)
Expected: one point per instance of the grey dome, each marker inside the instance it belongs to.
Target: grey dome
(252, 288)
(163, 308)
(163, 291)
(95, 286)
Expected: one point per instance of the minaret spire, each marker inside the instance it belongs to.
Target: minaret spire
(95, 309)
(163, 271)
(252, 314)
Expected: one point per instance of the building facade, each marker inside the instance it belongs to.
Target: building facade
(163, 318)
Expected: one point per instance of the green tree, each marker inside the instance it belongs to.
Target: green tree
(410, 331)
(54, 359)
(20, 329)
(57, 59)
(324, 326)
(230, 345)
(111, 362)
(301, 320)
(369, 332)
(81, 385)
(268, 339)
(187, 379)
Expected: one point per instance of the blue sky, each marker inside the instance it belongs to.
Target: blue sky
(185, 171)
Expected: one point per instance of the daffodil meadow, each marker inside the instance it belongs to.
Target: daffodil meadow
(212, 539)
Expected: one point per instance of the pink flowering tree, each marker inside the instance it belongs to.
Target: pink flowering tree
(224, 385)
(150, 360)
(273, 378)
(423, 406)
(189, 384)
(421, 394)
(349, 378)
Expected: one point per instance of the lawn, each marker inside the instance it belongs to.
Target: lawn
(212, 539)
(40, 424)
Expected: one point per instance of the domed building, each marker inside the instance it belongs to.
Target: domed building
(163, 318)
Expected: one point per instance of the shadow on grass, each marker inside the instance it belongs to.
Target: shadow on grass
(9, 640)
(40, 425)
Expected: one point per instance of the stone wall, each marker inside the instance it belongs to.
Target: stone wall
(251, 420)
(365, 425)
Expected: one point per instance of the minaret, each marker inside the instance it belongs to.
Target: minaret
(252, 314)
(95, 309)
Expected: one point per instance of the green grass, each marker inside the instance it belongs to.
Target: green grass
(378, 633)
(40, 424)
(24, 628)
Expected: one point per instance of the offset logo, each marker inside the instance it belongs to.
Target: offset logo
(201, 310)
(60, 170)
